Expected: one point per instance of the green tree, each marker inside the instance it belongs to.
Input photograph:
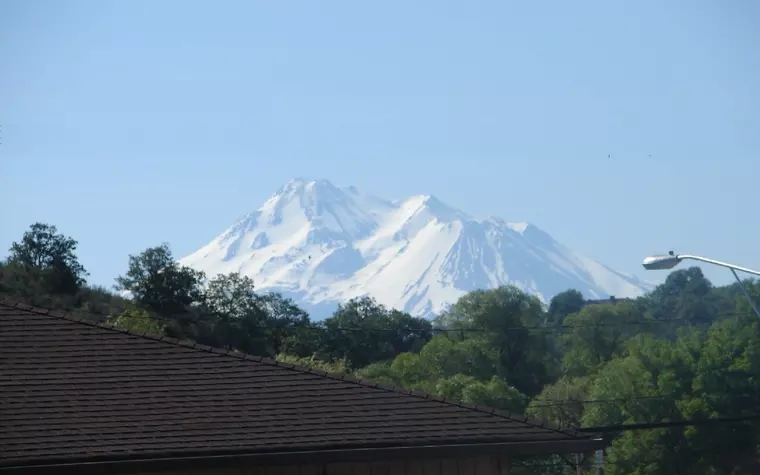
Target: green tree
(285, 320)
(234, 316)
(440, 358)
(158, 283)
(686, 297)
(24, 283)
(698, 376)
(464, 370)
(364, 332)
(597, 333)
(494, 392)
(561, 403)
(382, 372)
(229, 315)
(470, 357)
(29, 285)
(424, 372)
(726, 383)
(506, 316)
(645, 384)
(563, 304)
(739, 305)
(52, 257)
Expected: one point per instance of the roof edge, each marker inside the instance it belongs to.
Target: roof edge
(80, 317)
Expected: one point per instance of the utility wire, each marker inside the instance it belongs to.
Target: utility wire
(667, 424)
(586, 464)
(540, 403)
(539, 461)
(324, 328)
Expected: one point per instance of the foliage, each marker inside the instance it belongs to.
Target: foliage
(157, 282)
(597, 333)
(461, 370)
(137, 320)
(564, 304)
(51, 257)
(572, 392)
(43, 270)
(351, 333)
(337, 366)
(506, 316)
(685, 298)
(232, 315)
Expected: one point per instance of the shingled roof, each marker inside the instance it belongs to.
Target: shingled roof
(74, 392)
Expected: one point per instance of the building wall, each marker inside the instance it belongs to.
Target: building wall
(485, 465)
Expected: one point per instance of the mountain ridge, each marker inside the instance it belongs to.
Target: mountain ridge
(322, 245)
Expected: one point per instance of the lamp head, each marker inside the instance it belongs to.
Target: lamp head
(661, 262)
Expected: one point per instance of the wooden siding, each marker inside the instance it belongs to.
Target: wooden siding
(484, 465)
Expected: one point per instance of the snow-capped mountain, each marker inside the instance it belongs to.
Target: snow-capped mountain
(322, 245)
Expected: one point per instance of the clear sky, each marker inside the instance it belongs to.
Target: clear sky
(129, 123)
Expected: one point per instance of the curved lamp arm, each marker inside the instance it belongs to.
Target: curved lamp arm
(718, 263)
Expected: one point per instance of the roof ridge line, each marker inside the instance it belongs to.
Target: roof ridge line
(70, 315)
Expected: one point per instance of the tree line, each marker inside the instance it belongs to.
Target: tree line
(686, 350)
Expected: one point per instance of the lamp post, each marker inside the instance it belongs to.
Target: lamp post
(671, 260)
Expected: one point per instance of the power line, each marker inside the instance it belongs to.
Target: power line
(665, 398)
(588, 462)
(547, 403)
(667, 424)
(432, 330)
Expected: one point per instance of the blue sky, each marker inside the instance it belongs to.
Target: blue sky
(129, 123)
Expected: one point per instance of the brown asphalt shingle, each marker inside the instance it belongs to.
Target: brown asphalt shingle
(74, 391)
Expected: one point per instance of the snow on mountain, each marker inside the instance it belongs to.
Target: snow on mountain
(322, 245)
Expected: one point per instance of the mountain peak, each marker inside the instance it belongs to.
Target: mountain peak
(306, 192)
(305, 185)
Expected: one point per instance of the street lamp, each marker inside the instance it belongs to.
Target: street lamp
(671, 260)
